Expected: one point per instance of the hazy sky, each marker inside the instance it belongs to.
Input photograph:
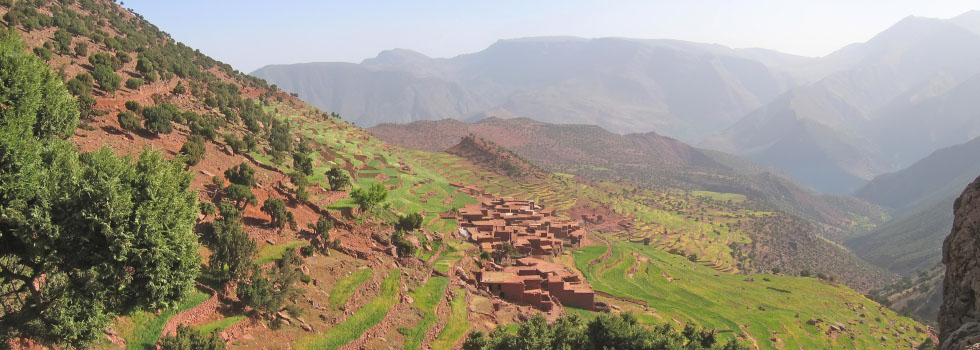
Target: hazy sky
(250, 33)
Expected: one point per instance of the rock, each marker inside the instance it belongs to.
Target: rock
(884, 338)
(270, 241)
(307, 328)
(812, 321)
(207, 173)
(959, 319)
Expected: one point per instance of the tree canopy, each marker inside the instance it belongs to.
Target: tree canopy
(370, 197)
(83, 236)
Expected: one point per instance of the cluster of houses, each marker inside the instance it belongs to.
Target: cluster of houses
(521, 226)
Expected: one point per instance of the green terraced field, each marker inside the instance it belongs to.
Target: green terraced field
(426, 298)
(456, 326)
(773, 310)
(142, 329)
(343, 289)
(356, 324)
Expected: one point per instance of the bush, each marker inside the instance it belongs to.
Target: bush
(188, 338)
(106, 78)
(179, 89)
(242, 174)
(242, 195)
(304, 277)
(133, 106)
(206, 208)
(134, 83)
(43, 53)
(405, 248)
(128, 121)
(81, 49)
(81, 84)
(193, 149)
(306, 250)
(410, 222)
(157, 119)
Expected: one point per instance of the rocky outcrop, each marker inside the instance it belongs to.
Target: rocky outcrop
(959, 317)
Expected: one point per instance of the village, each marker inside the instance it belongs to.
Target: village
(506, 227)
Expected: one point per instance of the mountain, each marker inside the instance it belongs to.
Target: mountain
(649, 159)
(681, 89)
(958, 324)
(892, 100)
(920, 198)
(937, 177)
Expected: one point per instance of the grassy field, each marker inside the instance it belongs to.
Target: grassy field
(457, 325)
(142, 329)
(426, 298)
(273, 252)
(356, 324)
(219, 325)
(772, 310)
(346, 287)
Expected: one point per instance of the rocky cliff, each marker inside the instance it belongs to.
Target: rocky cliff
(959, 317)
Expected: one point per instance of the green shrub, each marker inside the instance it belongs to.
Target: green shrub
(134, 83)
(128, 121)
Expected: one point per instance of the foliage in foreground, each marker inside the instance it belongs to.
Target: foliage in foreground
(606, 331)
(83, 236)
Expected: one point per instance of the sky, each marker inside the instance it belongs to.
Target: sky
(250, 34)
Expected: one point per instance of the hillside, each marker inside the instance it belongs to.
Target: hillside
(681, 89)
(295, 231)
(921, 197)
(648, 159)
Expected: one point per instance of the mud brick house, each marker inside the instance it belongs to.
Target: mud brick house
(529, 228)
(538, 283)
(534, 232)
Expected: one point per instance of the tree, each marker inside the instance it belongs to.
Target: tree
(81, 49)
(322, 228)
(128, 121)
(368, 199)
(188, 338)
(158, 119)
(410, 222)
(303, 163)
(279, 215)
(231, 250)
(63, 211)
(242, 174)
(229, 211)
(144, 66)
(134, 83)
(268, 294)
(106, 78)
(193, 150)
(338, 179)
(242, 195)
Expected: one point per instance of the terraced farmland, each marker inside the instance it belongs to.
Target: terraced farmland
(772, 311)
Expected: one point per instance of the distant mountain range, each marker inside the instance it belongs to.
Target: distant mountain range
(686, 90)
(906, 92)
(833, 122)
